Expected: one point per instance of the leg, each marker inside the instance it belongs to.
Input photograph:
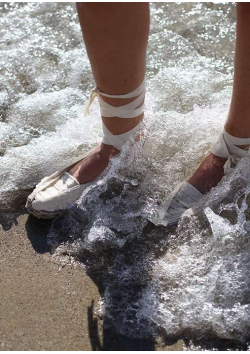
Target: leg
(211, 171)
(115, 36)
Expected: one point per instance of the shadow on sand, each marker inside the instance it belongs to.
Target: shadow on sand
(104, 267)
(102, 336)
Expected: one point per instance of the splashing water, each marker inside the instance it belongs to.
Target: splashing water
(190, 281)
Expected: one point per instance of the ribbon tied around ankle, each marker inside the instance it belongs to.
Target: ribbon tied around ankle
(130, 110)
(226, 147)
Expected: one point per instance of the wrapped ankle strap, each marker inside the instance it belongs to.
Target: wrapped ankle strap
(226, 147)
(130, 110)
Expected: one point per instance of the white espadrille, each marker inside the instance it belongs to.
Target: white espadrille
(61, 190)
(55, 193)
(185, 196)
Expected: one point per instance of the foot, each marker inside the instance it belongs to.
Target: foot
(94, 164)
(208, 174)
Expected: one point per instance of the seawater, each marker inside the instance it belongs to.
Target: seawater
(189, 281)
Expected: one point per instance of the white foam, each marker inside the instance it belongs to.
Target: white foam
(201, 286)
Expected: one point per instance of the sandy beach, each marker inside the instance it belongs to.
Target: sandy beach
(46, 307)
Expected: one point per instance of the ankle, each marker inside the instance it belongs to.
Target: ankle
(106, 151)
(208, 174)
(236, 130)
(119, 125)
(218, 161)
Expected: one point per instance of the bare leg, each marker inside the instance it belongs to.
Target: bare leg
(210, 171)
(115, 36)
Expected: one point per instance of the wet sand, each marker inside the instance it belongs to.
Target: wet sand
(44, 307)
